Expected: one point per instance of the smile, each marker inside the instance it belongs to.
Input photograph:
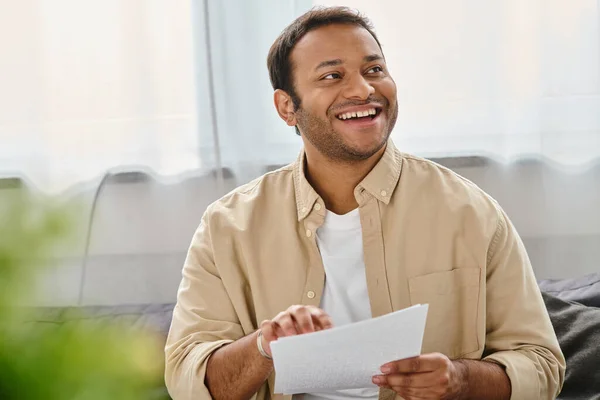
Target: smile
(371, 113)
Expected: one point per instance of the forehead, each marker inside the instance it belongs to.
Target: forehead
(339, 41)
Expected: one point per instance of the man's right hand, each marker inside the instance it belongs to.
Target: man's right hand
(296, 320)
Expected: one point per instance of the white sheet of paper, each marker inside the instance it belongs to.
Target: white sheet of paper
(348, 356)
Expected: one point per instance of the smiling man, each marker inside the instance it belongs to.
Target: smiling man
(352, 230)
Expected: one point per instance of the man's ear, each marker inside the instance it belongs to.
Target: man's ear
(285, 107)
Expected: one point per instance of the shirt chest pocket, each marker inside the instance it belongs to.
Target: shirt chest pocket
(453, 298)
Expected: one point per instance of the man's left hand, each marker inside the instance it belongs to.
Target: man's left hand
(428, 376)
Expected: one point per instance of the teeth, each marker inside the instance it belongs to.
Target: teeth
(358, 114)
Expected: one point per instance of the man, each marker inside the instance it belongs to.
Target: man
(352, 230)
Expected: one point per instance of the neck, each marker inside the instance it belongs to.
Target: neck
(335, 181)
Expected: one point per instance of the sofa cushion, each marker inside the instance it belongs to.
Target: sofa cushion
(584, 289)
(148, 317)
(577, 328)
(153, 319)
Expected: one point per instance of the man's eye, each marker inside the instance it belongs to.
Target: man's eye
(375, 70)
(333, 75)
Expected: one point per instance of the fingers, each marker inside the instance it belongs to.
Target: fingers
(422, 363)
(303, 318)
(286, 323)
(426, 385)
(296, 320)
(416, 380)
(320, 319)
(428, 376)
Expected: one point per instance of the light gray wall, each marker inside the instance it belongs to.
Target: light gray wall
(556, 212)
(141, 229)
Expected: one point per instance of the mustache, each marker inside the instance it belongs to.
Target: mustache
(373, 100)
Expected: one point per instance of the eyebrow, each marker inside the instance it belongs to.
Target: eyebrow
(338, 61)
(329, 63)
(372, 57)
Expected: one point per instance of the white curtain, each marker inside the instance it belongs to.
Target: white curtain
(501, 78)
(90, 86)
(251, 135)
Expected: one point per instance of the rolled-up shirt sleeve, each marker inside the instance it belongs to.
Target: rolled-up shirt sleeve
(204, 319)
(519, 334)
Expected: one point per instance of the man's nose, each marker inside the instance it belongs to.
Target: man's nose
(357, 87)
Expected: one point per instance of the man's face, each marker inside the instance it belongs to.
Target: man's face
(348, 104)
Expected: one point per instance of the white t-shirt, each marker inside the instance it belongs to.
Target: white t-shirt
(345, 296)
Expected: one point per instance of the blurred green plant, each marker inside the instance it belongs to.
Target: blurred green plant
(80, 360)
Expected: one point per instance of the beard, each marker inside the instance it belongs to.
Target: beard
(329, 142)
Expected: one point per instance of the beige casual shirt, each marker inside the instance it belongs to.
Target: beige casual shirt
(429, 236)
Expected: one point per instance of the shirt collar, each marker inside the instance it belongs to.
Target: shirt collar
(380, 182)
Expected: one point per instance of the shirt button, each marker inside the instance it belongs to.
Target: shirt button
(310, 294)
(383, 193)
(308, 233)
(317, 207)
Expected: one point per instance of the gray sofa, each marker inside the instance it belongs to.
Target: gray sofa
(574, 308)
(154, 319)
(573, 305)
